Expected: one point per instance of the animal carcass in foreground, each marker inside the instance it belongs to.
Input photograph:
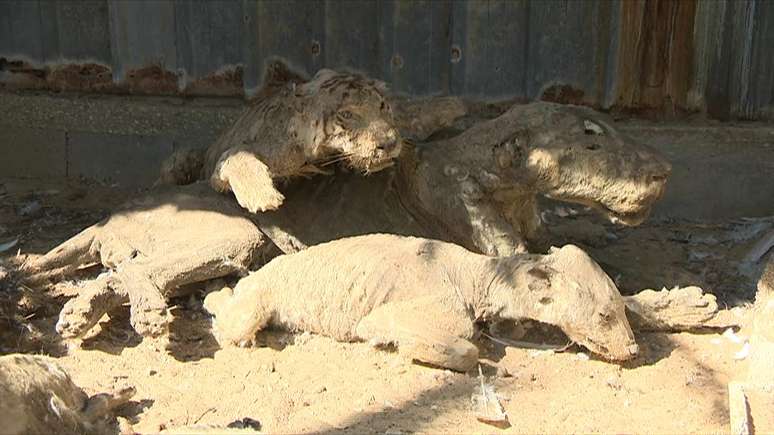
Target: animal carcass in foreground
(37, 397)
(424, 296)
(151, 247)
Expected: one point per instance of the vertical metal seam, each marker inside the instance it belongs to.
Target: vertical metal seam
(429, 52)
(527, 63)
(180, 77)
(43, 59)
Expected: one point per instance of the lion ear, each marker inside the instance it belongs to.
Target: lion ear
(313, 85)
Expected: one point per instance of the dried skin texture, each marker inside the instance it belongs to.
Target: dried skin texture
(376, 288)
(479, 189)
(678, 309)
(38, 397)
(151, 247)
(296, 129)
(419, 118)
(484, 182)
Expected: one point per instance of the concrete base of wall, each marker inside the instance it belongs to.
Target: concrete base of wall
(721, 171)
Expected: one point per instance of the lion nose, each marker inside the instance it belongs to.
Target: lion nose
(633, 349)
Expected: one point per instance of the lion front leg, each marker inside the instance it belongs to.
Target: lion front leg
(491, 231)
(95, 299)
(241, 172)
(148, 305)
(421, 336)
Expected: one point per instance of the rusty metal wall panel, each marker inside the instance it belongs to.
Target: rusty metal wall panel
(492, 37)
(575, 65)
(289, 29)
(249, 41)
(142, 33)
(84, 30)
(416, 46)
(663, 55)
(49, 34)
(20, 29)
(208, 42)
(208, 35)
(352, 36)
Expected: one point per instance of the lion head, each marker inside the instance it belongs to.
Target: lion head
(574, 154)
(567, 289)
(354, 122)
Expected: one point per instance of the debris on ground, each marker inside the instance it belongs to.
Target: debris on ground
(487, 406)
(8, 245)
(31, 208)
(678, 309)
(738, 409)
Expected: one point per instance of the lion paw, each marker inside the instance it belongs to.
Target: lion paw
(260, 199)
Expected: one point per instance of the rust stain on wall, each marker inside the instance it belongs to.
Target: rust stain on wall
(152, 79)
(655, 55)
(92, 77)
(18, 74)
(80, 77)
(227, 82)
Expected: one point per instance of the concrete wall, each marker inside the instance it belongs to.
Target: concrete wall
(660, 56)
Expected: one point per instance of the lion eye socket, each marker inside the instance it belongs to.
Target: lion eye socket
(346, 114)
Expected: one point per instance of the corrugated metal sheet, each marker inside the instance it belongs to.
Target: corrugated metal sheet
(663, 56)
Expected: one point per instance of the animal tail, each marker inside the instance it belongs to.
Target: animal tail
(182, 167)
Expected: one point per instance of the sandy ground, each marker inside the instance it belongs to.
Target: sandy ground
(311, 384)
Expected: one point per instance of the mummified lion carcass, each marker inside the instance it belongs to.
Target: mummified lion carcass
(151, 247)
(328, 208)
(295, 129)
(479, 188)
(424, 296)
(38, 397)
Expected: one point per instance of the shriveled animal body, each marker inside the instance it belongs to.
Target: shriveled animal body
(480, 187)
(424, 296)
(151, 247)
(295, 130)
(38, 397)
